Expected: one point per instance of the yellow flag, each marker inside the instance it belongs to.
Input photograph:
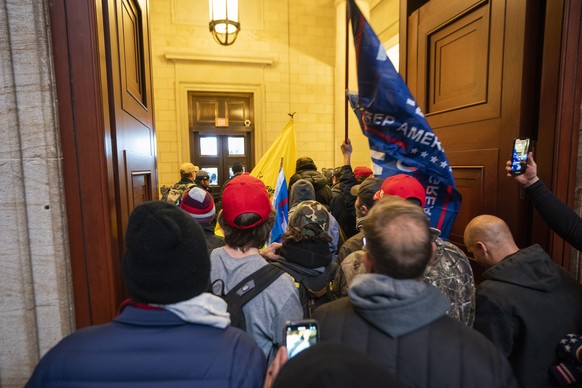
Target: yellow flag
(267, 169)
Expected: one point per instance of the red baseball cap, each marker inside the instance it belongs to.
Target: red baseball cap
(245, 194)
(362, 172)
(403, 186)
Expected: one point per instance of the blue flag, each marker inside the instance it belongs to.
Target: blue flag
(401, 140)
(281, 206)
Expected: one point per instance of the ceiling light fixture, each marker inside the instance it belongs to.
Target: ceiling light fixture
(224, 23)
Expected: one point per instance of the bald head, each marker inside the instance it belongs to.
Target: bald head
(489, 239)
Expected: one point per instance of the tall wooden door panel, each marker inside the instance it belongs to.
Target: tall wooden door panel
(471, 75)
(103, 76)
(131, 107)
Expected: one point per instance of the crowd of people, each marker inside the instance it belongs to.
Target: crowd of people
(396, 305)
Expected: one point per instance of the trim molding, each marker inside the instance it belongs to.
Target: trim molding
(217, 59)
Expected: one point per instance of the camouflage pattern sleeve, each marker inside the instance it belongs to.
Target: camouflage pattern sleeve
(451, 272)
(350, 267)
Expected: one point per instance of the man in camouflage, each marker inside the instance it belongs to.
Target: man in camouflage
(173, 194)
(449, 271)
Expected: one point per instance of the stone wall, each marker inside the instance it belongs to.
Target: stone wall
(35, 296)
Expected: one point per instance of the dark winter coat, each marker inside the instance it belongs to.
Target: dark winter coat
(338, 208)
(213, 241)
(142, 347)
(403, 324)
(525, 306)
(318, 180)
(352, 244)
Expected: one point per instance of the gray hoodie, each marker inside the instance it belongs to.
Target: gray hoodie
(396, 306)
(265, 314)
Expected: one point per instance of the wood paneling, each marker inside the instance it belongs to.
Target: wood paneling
(458, 73)
(462, 80)
(463, 49)
(134, 60)
(107, 138)
(84, 142)
(488, 71)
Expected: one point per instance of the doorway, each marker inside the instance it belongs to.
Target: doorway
(221, 133)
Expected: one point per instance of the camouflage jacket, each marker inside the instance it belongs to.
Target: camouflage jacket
(450, 271)
(173, 194)
(349, 267)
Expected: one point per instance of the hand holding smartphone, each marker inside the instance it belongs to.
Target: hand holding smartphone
(299, 335)
(519, 155)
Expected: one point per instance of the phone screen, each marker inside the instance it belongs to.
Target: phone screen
(300, 335)
(519, 155)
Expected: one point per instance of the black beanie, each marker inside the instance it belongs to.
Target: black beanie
(166, 260)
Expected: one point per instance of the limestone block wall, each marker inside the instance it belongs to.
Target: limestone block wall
(35, 296)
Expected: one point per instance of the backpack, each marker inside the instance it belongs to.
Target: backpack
(315, 288)
(246, 290)
(173, 194)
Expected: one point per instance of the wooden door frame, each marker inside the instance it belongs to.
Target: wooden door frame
(560, 97)
(78, 36)
(559, 121)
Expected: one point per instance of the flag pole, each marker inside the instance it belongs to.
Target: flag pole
(347, 74)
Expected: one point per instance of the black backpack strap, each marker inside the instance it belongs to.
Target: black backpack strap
(256, 282)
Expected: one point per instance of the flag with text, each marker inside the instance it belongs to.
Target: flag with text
(401, 140)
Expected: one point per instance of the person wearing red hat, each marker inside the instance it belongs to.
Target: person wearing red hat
(449, 270)
(246, 219)
(362, 172)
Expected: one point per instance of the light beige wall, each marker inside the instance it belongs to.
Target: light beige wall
(35, 292)
(384, 17)
(286, 55)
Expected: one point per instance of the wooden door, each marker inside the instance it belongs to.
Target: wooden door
(131, 104)
(102, 61)
(474, 69)
(222, 128)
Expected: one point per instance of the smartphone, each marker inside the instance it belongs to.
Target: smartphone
(519, 155)
(300, 335)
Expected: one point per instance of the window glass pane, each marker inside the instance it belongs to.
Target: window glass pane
(213, 174)
(209, 146)
(236, 146)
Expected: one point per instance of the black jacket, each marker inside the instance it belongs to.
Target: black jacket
(403, 325)
(340, 211)
(563, 220)
(525, 306)
(213, 241)
(319, 182)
